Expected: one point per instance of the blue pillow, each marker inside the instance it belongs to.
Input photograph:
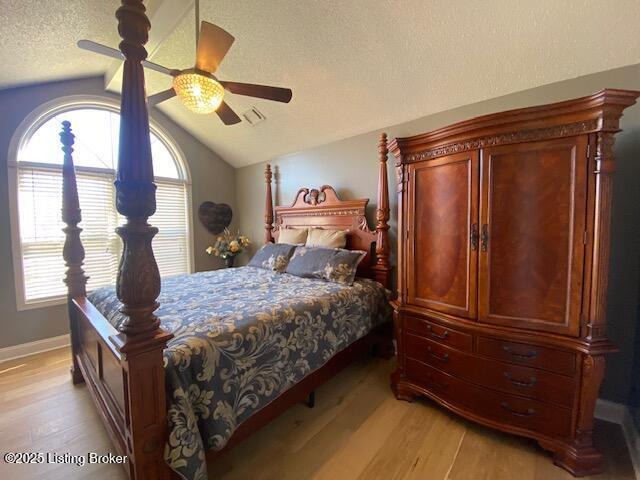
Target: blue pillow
(331, 264)
(273, 256)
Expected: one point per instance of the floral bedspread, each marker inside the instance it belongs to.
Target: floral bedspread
(242, 337)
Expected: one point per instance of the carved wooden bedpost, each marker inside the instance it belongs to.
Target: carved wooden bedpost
(73, 251)
(141, 341)
(268, 207)
(138, 283)
(382, 267)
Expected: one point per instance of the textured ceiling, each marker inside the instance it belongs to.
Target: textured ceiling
(353, 66)
(37, 39)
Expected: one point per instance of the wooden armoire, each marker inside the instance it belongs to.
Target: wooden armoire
(503, 252)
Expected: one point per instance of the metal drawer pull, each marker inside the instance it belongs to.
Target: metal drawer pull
(529, 354)
(484, 238)
(528, 413)
(531, 383)
(443, 358)
(436, 384)
(436, 335)
(473, 236)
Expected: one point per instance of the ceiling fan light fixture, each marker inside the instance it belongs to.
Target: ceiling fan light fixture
(199, 93)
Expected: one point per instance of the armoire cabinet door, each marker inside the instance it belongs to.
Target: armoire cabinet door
(533, 207)
(442, 243)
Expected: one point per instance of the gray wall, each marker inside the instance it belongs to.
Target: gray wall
(350, 165)
(212, 179)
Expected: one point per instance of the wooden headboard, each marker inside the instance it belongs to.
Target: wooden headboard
(322, 208)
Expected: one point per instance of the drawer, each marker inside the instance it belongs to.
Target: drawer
(506, 377)
(531, 355)
(444, 335)
(499, 407)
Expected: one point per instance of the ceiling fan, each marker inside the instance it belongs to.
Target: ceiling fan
(198, 87)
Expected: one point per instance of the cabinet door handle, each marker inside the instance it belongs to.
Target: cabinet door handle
(484, 238)
(532, 380)
(474, 236)
(529, 412)
(442, 336)
(528, 355)
(444, 358)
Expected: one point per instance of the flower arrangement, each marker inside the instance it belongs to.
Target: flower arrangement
(228, 245)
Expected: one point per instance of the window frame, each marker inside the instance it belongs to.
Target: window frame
(30, 124)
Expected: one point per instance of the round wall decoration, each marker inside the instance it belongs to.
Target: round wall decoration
(215, 216)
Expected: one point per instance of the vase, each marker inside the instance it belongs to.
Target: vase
(228, 262)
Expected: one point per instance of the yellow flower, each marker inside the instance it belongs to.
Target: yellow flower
(234, 246)
(209, 250)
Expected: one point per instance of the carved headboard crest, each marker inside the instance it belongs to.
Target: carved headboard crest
(316, 196)
(322, 208)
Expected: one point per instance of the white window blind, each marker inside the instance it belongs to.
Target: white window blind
(39, 192)
(171, 244)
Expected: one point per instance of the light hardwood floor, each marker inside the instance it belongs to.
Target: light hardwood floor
(357, 430)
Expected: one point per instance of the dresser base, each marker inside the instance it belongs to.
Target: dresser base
(579, 461)
(580, 458)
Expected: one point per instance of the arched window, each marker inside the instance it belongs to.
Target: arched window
(36, 201)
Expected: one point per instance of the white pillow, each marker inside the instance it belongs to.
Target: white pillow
(293, 236)
(319, 237)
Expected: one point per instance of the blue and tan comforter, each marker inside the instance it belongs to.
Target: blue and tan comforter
(241, 337)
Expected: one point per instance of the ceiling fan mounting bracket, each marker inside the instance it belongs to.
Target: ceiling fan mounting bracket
(197, 71)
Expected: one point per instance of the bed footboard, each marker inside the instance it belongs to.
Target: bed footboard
(100, 365)
(126, 381)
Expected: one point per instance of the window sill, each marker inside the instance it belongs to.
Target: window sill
(44, 303)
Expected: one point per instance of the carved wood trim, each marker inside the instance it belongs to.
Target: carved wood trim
(73, 251)
(592, 376)
(382, 267)
(138, 279)
(604, 169)
(141, 341)
(599, 112)
(322, 208)
(268, 209)
(504, 139)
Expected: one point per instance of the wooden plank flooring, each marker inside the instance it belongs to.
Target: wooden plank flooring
(357, 430)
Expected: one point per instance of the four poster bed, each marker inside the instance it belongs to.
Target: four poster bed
(158, 364)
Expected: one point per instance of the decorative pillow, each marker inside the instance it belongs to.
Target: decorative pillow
(319, 237)
(273, 256)
(293, 236)
(332, 264)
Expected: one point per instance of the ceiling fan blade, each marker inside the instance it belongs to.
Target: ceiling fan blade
(160, 68)
(213, 45)
(276, 94)
(112, 52)
(153, 100)
(228, 116)
(101, 49)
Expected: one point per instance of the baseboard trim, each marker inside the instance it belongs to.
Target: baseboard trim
(618, 413)
(31, 348)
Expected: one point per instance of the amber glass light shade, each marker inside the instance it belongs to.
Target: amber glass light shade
(199, 93)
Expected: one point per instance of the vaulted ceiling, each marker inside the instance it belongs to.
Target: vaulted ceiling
(354, 66)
